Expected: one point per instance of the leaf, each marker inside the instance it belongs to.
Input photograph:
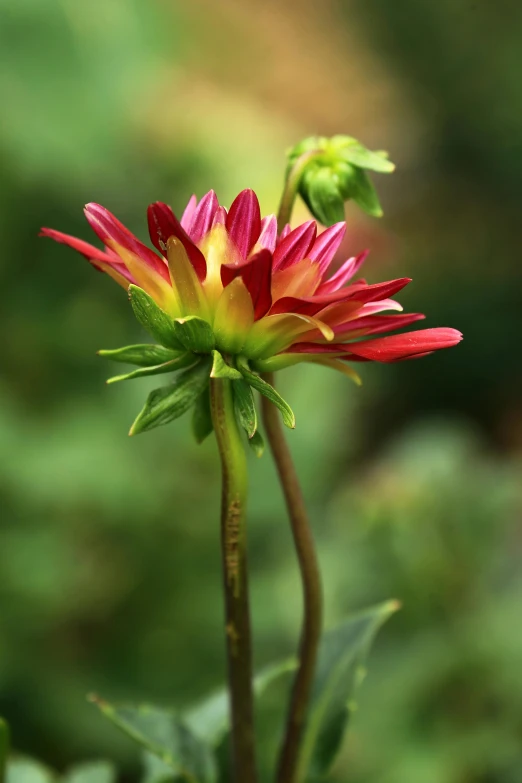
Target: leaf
(195, 334)
(210, 719)
(364, 193)
(341, 657)
(202, 417)
(153, 319)
(182, 360)
(354, 152)
(91, 772)
(26, 770)
(245, 406)
(166, 736)
(257, 444)
(144, 355)
(268, 391)
(220, 369)
(321, 193)
(170, 402)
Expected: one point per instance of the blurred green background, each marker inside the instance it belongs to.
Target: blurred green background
(109, 564)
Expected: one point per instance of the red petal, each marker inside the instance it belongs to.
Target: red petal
(91, 253)
(244, 221)
(327, 244)
(109, 228)
(164, 224)
(397, 347)
(295, 246)
(343, 274)
(358, 293)
(203, 217)
(220, 217)
(375, 324)
(256, 274)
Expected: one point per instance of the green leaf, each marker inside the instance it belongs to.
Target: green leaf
(4, 747)
(26, 770)
(153, 319)
(320, 191)
(210, 719)
(202, 417)
(143, 355)
(91, 772)
(170, 402)
(195, 334)
(354, 152)
(182, 360)
(220, 369)
(257, 444)
(342, 654)
(267, 390)
(156, 771)
(166, 736)
(245, 406)
(364, 194)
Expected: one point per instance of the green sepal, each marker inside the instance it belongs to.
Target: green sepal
(364, 194)
(353, 151)
(170, 402)
(220, 369)
(244, 406)
(195, 334)
(202, 417)
(153, 319)
(320, 191)
(182, 360)
(91, 772)
(340, 669)
(257, 444)
(165, 735)
(267, 390)
(144, 355)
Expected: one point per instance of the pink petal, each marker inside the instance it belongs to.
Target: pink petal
(344, 273)
(327, 244)
(268, 235)
(108, 228)
(164, 224)
(203, 217)
(186, 218)
(375, 324)
(284, 233)
(256, 274)
(220, 217)
(91, 253)
(244, 221)
(397, 347)
(295, 246)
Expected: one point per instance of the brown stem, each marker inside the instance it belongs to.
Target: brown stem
(312, 592)
(237, 613)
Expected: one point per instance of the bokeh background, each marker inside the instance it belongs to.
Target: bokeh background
(109, 566)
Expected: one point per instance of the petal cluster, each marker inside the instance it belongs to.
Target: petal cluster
(270, 298)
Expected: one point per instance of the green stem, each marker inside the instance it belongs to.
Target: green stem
(4, 748)
(291, 186)
(233, 547)
(312, 593)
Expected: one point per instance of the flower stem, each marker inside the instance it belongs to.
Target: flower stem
(233, 546)
(312, 592)
(292, 180)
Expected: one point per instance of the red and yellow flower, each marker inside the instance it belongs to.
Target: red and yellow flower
(271, 299)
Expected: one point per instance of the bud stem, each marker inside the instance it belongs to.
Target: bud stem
(235, 582)
(292, 180)
(288, 771)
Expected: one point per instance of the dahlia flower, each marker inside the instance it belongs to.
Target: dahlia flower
(224, 295)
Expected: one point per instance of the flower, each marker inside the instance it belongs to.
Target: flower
(262, 301)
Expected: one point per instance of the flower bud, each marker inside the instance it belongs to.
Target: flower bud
(337, 174)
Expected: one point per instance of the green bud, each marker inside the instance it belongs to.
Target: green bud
(336, 174)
